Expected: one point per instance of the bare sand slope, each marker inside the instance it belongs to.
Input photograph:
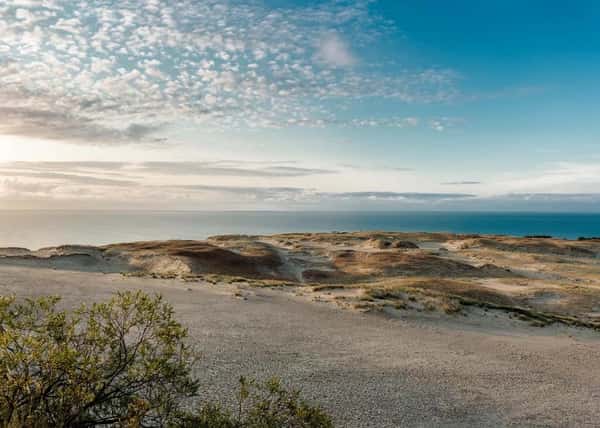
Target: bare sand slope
(542, 280)
(368, 370)
(253, 259)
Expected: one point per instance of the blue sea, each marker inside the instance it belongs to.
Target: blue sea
(36, 229)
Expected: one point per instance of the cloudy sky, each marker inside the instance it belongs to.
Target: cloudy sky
(298, 104)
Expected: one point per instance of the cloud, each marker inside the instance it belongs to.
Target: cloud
(444, 123)
(236, 169)
(65, 127)
(367, 122)
(334, 51)
(550, 197)
(120, 72)
(399, 196)
(376, 167)
(221, 168)
(64, 166)
(255, 193)
(561, 177)
(461, 183)
(74, 179)
(161, 182)
(394, 122)
(12, 187)
(268, 185)
(149, 182)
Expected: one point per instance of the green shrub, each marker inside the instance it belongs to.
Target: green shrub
(266, 405)
(120, 363)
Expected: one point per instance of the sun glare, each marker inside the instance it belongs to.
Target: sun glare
(21, 149)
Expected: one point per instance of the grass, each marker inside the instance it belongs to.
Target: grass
(153, 275)
(421, 294)
(454, 297)
(407, 298)
(213, 279)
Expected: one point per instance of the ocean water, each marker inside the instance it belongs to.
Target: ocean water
(36, 229)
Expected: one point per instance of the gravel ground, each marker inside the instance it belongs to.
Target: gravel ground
(369, 370)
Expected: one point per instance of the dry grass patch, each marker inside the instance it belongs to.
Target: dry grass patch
(413, 263)
(450, 296)
(538, 246)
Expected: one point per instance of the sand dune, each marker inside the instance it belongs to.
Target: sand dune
(559, 280)
(385, 329)
(537, 246)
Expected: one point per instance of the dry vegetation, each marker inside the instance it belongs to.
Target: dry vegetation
(539, 279)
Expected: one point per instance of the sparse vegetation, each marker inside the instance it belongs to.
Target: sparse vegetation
(125, 362)
(455, 296)
(260, 406)
(427, 272)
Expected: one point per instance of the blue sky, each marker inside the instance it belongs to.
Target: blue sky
(299, 104)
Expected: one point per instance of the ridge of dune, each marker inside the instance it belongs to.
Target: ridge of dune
(541, 278)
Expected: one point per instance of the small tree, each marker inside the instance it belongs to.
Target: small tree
(120, 363)
(113, 362)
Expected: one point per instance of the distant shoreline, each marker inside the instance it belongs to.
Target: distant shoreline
(424, 234)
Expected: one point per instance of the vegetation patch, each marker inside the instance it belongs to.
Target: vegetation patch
(122, 363)
(454, 296)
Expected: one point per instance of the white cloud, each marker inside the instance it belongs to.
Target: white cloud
(562, 177)
(334, 51)
(437, 125)
(14, 187)
(23, 15)
(219, 64)
(283, 185)
(445, 123)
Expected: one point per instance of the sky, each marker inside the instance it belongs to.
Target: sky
(300, 105)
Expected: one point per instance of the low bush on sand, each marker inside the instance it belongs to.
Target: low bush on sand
(125, 363)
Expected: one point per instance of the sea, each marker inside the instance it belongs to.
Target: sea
(37, 229)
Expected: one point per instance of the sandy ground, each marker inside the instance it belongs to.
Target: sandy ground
(368, 370)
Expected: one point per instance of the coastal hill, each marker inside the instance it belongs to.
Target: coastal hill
(540, 280)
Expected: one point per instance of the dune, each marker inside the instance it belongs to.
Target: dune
(357, 263)
(169, 258)
(368, 320)
(254, 260)
(380, 244)
(396, 263)
(538, 246)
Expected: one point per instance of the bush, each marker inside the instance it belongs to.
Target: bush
(265, 405)
(120, 363)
